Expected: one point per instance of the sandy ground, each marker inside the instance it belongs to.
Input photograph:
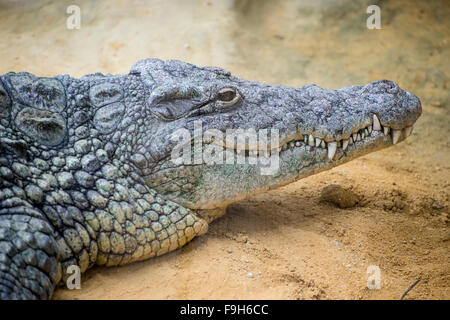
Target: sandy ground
(284, 244)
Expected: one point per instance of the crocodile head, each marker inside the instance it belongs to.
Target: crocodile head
(193, 110)
(143, 122)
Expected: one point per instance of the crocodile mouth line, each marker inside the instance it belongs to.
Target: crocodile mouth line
(357, 136)
(332, 147)
(360, 135)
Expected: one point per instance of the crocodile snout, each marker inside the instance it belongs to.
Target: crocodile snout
(395, 107)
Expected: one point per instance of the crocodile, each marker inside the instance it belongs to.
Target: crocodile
(88, 176)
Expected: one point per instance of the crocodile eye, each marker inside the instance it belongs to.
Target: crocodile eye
(228, 96)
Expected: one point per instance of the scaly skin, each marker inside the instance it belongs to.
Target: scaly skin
(86, 175)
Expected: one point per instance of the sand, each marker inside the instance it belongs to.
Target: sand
(283, 244)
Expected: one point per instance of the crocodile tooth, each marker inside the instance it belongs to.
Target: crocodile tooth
(291, 144)
(366, 132)
(376, 123)
(318, 141)
(305, 138)
(332, 147)
(344, 144)
(369, 128)
(396, 135)
(355, 136)
(323, 145)
(298, 143)
(407, 131)
(350, 140)
(358, 137)
(386, 130)
(311, 141)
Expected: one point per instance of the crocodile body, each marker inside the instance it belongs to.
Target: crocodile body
(87, 177)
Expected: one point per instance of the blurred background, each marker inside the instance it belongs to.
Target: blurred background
(292, 245)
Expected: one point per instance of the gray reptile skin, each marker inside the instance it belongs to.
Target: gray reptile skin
(86, 176)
